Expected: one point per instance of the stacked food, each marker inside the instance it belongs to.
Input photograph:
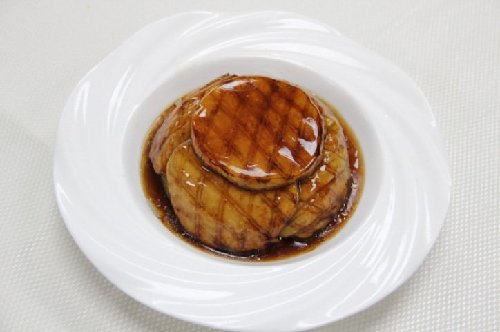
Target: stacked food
(248, 161)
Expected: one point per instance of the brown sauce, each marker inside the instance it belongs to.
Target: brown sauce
(286, 247)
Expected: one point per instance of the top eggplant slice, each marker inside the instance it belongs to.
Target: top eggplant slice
(258, 132)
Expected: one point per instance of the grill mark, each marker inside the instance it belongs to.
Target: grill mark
(271, 106)
(257, 128)
(196, 198)
(252, 152)
(193, 199)
(294, 104)
(235, 204)
(237, 207)
(279, 138)
(298, 228)
(274, 208)
(270, 205)
(302, 111)
(240, 210)
(250, 137)
(229, 139)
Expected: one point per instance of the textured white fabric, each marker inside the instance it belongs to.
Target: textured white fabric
(451, 48)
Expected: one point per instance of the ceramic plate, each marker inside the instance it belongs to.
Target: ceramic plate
(97, 182)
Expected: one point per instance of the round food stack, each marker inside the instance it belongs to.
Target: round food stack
(258, 132)
(249, 160)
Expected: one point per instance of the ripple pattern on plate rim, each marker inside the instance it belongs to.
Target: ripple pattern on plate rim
(399, 216)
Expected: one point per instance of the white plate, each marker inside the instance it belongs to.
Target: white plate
(96, 172)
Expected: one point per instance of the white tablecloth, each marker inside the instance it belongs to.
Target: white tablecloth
(452, 50)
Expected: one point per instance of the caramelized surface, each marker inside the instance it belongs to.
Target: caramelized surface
(258, 132)
(218, 213)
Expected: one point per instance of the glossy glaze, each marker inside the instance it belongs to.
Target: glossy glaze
(258, 132)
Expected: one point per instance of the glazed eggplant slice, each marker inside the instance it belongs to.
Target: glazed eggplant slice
(258, 132)
(221, 215)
